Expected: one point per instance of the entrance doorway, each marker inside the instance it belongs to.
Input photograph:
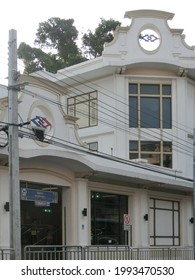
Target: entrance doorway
(41, 214)
(107, 211)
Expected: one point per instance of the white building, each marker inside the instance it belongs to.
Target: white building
(118, 140)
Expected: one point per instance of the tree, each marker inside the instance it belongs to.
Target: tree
(35, 59)
(56, 45)
(57, 35)
(93, 43)
(60, 35)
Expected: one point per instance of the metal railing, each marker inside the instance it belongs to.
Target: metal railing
(6, 254)
(118, 252)
(49, 252)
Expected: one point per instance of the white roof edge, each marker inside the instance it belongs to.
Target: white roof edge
(149, 13)
(80, 66)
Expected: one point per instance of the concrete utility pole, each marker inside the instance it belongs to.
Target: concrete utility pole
(15, 227)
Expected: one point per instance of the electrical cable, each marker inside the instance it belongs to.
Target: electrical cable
(74, 146)
(60, 105)
(107, 90)
(147, 133)
(105, 121)
(165, 132)
(113, 125)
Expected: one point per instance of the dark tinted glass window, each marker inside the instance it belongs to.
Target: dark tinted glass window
(149, 89)
(166, 89)
(107, 211)
(133, 88)
(133, 111)
(150, 111)
(166, 112)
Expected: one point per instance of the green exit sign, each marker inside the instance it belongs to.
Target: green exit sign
(47, 210)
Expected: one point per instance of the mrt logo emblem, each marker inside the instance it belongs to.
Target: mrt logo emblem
(41, 122)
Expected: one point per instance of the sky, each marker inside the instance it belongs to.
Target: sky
(24, 16)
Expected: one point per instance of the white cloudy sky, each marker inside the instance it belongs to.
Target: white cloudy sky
(24, 16)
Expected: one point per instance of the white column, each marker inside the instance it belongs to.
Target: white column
(122, 121)
(140, 226)
(68, 216)
(82, 219)
(186, 226)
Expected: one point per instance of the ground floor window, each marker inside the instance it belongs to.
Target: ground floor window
(164, 222)
(107, 211)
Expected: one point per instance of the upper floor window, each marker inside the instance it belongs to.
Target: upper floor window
(93, 146)
(156, 152)
(84, 107)
(150, 105)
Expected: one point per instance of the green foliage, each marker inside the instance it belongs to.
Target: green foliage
(35, 59)
(60, 35)
(93, 43)
(56, 45)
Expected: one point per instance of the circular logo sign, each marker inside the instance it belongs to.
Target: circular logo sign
(149, 39)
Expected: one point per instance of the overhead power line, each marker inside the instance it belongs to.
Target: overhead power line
(112, 109)
(177, 145)
(73, 146)
(124, 122)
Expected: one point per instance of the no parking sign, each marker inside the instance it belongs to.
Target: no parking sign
(126, 222)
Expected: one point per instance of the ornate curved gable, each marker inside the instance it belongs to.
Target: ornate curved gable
(149, 39)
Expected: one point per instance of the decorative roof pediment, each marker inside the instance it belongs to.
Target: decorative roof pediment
(147, 42)
(149, 39)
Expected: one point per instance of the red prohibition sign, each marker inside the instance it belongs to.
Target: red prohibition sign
(126, 219)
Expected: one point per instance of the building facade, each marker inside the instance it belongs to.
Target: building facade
(107, 156)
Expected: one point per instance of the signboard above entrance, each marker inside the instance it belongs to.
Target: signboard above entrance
(39, 196)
